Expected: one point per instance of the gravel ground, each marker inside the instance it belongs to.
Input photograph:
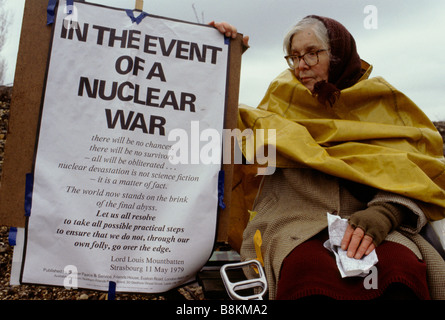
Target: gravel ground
(5, 99)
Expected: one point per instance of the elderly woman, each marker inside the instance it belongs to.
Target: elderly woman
(347, 145)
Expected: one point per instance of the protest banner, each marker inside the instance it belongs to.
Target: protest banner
(116, 197)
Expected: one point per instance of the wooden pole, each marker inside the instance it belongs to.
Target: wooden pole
(139, 5)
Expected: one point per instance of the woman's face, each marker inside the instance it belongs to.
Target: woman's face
(303, 42)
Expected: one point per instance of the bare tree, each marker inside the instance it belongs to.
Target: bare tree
(4, 23)
(196, 14)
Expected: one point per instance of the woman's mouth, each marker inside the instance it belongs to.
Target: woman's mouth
(305, 79)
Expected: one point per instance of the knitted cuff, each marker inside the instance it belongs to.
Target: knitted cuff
(378, 220)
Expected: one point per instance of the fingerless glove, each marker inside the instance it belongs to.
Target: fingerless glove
(378, 220)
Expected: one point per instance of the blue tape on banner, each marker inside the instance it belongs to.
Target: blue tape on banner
(51, 10)
(137, 19)
(28, 193)
(12, 238)
(111, 290)
(226, 40)
(221, 190)
(70, 4)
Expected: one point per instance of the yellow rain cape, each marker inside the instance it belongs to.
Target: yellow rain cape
(373, 135)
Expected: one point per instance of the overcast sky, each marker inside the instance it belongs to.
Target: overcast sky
(406, 47)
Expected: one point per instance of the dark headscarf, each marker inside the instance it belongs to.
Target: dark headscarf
(345, 64)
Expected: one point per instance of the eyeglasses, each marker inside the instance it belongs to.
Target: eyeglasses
(310, 58)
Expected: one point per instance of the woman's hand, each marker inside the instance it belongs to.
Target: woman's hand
(357, 243)
(377, 221)
(228, 30)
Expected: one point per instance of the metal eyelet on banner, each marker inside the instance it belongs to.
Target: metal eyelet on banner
(233, 287)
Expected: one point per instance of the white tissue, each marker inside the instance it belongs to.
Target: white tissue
(348, 267)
